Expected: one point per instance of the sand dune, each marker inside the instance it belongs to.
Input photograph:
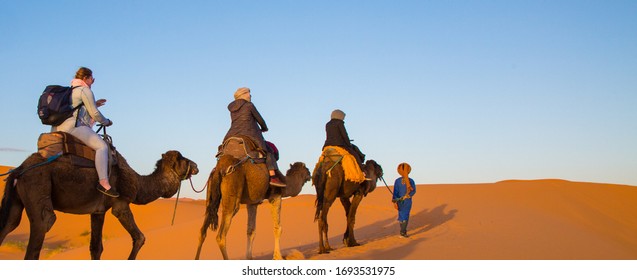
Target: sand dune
(509, 220)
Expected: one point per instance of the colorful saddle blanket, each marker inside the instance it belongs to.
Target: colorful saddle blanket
(333, 155)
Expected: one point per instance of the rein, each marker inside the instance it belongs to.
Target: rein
(392, 193)
(178, 190)
(48, 160)
(186, 176)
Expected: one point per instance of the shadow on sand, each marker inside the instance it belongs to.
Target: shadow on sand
(49, 245)
(420, 222)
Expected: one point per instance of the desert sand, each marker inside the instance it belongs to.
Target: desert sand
(508, 220)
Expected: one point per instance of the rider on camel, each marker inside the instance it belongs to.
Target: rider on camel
(246, 121)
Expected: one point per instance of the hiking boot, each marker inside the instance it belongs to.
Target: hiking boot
(403, 229)
(274, 181)
(111, 192)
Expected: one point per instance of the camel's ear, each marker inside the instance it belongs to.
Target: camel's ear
(168, 156)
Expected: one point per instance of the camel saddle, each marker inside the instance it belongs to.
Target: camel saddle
(330, 154)
(78, 154)
(333, 155)
(242, 147)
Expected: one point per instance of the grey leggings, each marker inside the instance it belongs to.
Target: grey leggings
(94, 141)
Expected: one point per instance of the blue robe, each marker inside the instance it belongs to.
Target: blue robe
(404, 207)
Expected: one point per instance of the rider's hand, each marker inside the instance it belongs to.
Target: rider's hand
(108, 122)
(100, 102)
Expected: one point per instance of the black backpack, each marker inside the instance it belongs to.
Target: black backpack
(54, 106)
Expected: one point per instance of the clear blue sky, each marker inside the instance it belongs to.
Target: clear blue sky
(465, 91)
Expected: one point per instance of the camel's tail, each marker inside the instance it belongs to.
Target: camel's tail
(212, 204)
(213, 200)
(10, 195)
(318, 180)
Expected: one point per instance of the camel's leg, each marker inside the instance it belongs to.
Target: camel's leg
(36, 240)
(42, 218)
(332, 187)
(348, 239)
(202, 238)
(320, 230)
(252, 228)
(230, 208)
(97, 225)
(321, 225)
(13, 219)
(39, 209)
(224, 226)
(347, 205)
(122, 211)
(324, 244)
(275, 202)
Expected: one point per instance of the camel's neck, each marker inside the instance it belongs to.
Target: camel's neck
(160, 183)
(147, 188)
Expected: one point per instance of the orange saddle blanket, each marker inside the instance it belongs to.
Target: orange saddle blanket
(335, 155)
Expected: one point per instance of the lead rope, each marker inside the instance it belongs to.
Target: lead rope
(179, 191)
(176, 200)
(392, 193)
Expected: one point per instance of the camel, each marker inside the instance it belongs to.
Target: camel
(333, 185)
(61, 186)
(248, 184)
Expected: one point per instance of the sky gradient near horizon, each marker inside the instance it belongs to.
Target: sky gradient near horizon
(464, 91)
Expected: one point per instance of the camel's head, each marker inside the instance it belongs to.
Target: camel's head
(301, 170)
(183, 167)
(375, 172)
(296, 176)
(375, 168)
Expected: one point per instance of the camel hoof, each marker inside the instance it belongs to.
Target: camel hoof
(325, 251)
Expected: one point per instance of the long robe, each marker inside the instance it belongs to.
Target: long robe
(404, 206)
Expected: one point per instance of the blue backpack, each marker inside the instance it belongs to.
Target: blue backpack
(54, 106)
